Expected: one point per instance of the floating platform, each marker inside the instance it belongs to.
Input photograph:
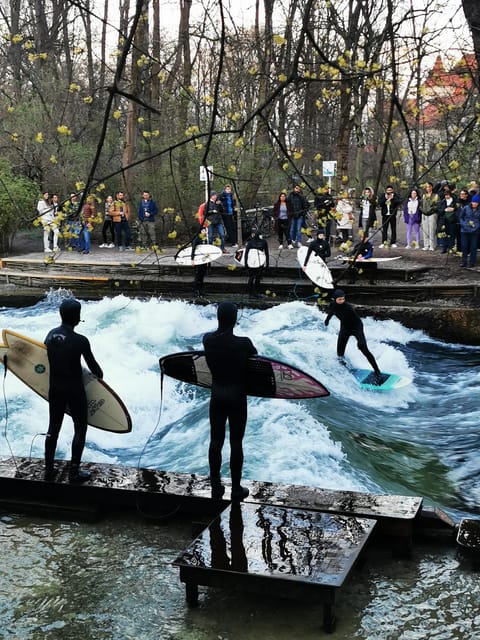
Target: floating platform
(286, 552)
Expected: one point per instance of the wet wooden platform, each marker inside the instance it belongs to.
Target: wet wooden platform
(153, 491)
(283, 551)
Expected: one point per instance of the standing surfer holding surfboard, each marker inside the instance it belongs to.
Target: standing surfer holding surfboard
(350, 325)
(65, 349)
(256, 248)
(227, 358)
(319, 247)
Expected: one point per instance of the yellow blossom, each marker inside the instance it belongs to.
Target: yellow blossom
(53, 159)
(278, 39)
(172, 235)
(39, 137)
(10, 109)
(17, 38)
(64, 130)
(116, 114)
(88, 99)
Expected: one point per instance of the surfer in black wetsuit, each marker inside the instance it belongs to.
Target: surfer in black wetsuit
(65, 349)
(319, 247)
(255, 273)
(227, 356)
(350, 325)
(200, 269)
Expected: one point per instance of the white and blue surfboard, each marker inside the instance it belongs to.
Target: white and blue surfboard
(388, 381)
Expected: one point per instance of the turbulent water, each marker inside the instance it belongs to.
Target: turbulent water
(421, 440)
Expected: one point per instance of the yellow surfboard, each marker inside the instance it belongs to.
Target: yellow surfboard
(27, 359)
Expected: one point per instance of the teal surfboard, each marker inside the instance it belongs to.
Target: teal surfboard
(389, 381)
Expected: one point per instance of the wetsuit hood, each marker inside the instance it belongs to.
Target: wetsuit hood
(338, 293)
(226, 315)
(70, 311)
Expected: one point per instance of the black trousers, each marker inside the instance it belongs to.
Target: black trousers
(227, 405)
(61, 398)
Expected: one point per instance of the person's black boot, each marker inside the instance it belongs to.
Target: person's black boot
(239, 493)
(77, 475)
(50, 473)
(217, 488)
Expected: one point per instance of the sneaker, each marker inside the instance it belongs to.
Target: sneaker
(235, 246)
(431, 249)
(299, 244)
(424, 248)
(408, 246)
(239, 494)
(102, 246)
(280, 247)
(381, 246)
(85, 252)
(48, 251)
(394, 246)
(110, 246)
(120, 248)
(290, 246)
(129, 249)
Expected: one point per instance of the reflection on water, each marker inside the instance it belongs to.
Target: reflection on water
(115, 581)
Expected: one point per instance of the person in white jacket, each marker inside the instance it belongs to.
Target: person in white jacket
(47, 216)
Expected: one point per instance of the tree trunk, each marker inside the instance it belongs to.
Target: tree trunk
(471, 9)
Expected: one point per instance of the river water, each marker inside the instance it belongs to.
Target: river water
(114, 579)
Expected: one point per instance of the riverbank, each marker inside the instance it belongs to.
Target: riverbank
(425, 290)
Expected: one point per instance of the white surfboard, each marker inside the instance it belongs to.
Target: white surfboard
(256, 258)
(316, 269)
(204, 253)
(358, 260)
(27, 359)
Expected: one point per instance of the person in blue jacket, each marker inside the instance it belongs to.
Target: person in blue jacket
(147, 210)
(350, 325)
(227, 358)
(65, 349)
(469, 219)
(362, 251)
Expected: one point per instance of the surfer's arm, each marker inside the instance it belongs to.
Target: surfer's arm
(92, 364)
(307, 257)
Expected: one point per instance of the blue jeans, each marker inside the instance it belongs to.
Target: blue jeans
(218, 228)
(469, 248)
(296, 229)
(119, 227)
(84, 243)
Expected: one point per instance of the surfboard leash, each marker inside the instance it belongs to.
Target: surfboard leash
(5, 367)
(137, 499)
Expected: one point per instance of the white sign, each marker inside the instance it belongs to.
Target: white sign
(329, 168)
(204, 176)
